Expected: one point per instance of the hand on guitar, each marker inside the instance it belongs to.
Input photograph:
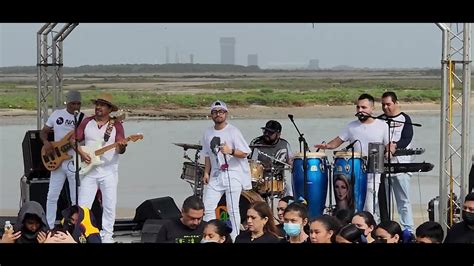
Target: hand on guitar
(121, 145)
(48, 147)
(84, 156)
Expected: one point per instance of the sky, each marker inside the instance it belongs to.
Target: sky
(371, 45)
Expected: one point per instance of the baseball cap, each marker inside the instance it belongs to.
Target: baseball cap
(273, 126)
(218, 104)
(73, 96)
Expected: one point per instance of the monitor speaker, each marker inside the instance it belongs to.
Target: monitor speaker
(33, 165)
(37, 190)
(158, 208)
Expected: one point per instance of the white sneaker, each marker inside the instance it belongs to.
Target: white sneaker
(108, 239)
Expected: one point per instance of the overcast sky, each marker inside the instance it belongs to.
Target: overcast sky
(377, 45)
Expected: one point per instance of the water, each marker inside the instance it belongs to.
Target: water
(151, 168)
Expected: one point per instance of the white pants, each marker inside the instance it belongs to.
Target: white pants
(56, 183)
(108, 187)
(212, 196)
(371, 194)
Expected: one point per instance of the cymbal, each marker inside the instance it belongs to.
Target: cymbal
(189, 146)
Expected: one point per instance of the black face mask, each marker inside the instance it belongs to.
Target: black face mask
(380, 240)
(468, 217)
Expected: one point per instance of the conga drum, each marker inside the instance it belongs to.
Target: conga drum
(344, 164)
(317, 181)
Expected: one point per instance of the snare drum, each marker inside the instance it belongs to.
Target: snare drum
(246, 199)
(317, 181)
(343, 165)
(191, 172)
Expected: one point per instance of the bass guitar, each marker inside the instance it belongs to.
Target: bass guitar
(53, 160)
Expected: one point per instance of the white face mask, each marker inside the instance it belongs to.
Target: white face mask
(209, 241)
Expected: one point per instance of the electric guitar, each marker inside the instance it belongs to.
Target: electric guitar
(95, 151)
(405, 152)
(53, 160)
(60, 148)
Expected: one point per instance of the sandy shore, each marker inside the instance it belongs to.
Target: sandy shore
(18, 116)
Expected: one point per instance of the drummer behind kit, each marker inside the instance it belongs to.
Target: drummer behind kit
(268, 181)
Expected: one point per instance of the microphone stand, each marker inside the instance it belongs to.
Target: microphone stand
(389, 121)
(78, 181)
(303, 143)
(197, 178)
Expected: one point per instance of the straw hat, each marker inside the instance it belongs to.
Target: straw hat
(107, 99)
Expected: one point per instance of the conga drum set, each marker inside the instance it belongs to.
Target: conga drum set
(322, 176)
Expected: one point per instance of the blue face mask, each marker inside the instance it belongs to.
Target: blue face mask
(292, 229)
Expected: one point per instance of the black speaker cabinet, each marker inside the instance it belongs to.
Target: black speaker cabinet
(37, 190)
(150, 230)
(32, 163)
(159, 208)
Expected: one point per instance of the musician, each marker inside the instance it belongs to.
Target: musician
(401, 135)
(276, 147)
(101, 129)
(364, 130)
(226, 167)
(61, 121)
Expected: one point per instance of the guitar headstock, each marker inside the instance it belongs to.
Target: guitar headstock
(135, 137)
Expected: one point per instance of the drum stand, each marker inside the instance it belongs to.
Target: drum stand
(198, 184)
(330, 168)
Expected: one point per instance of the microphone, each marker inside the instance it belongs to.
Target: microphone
(361, 115)
(290, 116)
(350, 146)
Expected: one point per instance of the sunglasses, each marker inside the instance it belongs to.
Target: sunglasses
(218, 112)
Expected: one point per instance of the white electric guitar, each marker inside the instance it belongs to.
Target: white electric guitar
(95, 151)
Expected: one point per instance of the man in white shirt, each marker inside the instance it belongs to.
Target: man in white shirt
(226, 166)
(62, 122)
(364, 130)
(104, 130)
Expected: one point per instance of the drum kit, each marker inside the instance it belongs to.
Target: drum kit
(267, 184)
(264, 180)
(193, 171)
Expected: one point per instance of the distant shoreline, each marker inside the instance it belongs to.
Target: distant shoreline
(21, 117)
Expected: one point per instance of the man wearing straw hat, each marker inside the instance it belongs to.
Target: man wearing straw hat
(102, 128)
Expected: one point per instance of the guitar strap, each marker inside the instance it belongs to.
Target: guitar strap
(81, 116)
(109, 129)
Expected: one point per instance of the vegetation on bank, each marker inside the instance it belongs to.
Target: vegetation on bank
(269, 92)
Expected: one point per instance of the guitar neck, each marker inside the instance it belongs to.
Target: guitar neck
(108, 147)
